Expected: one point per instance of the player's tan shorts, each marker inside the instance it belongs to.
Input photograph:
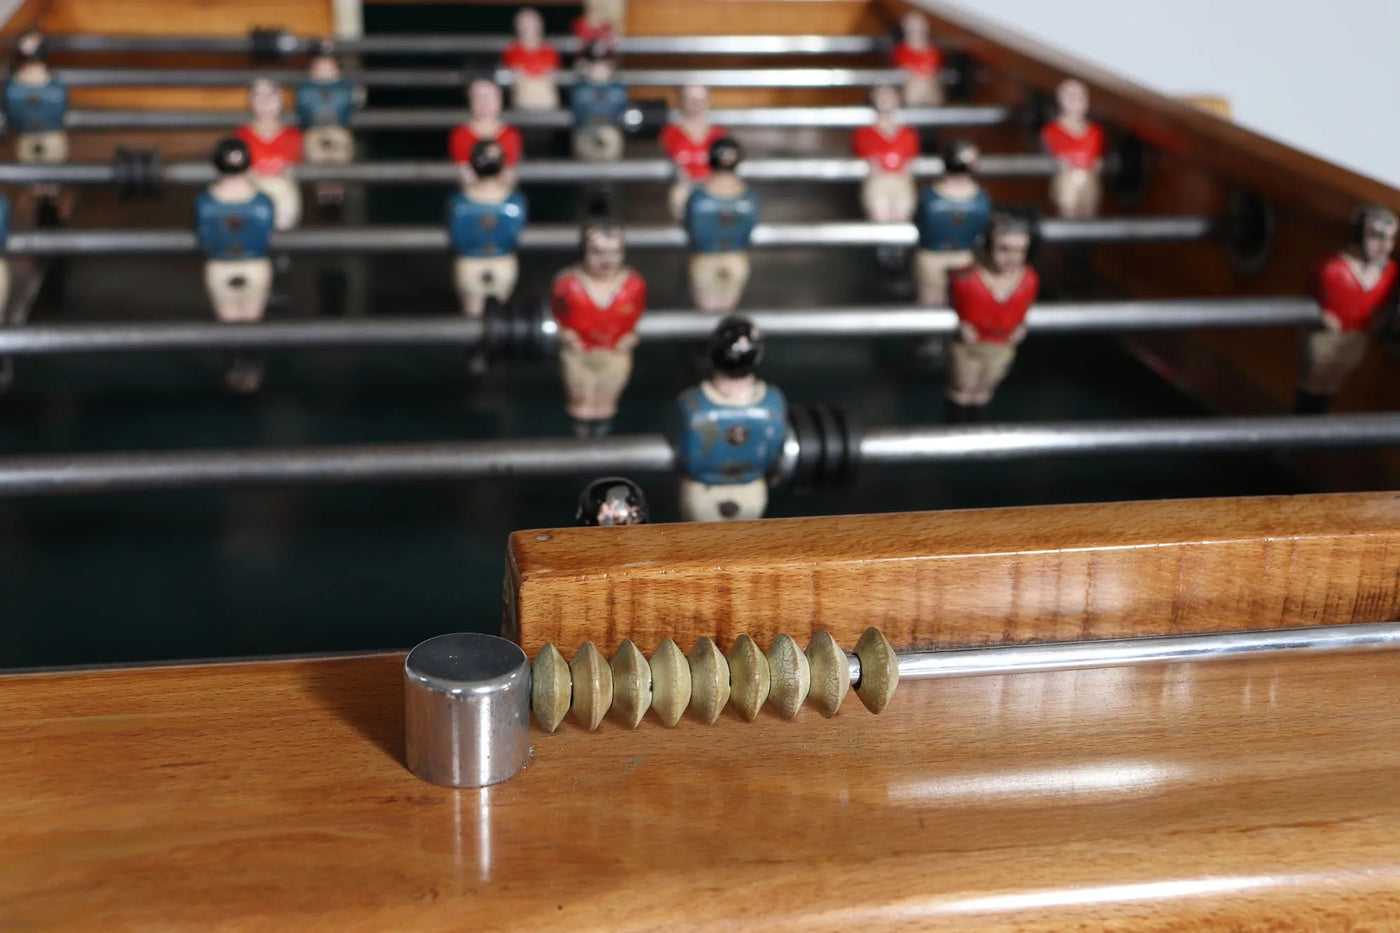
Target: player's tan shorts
(920, 91)
(594, 379)
(976, 369)
(486, 277)
(718, 279)
(598, 143)
(238, 288)
(679, 194)
(42, 148)
(1329, 357)
(730, 502)
(286, 199)
(329, 145)
(894, 191)
(1075, 192)
(931, 269)
(534, 92)
(609, 11)
(4, 289)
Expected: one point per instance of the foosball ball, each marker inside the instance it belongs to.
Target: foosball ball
(790, 464)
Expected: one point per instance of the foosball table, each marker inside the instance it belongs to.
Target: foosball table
(1021, 550)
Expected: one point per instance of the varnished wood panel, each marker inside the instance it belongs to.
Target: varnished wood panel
(965, 577)
(1249, 795)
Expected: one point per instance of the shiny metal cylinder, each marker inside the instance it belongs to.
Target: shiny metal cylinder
(466, 710)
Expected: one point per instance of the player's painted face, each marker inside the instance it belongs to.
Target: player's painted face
(1379, 241)
(484, 99)
(1009, 251)
(324, 68)
(529, 27)
(695, 101)
(1073, 98)
(265, 100)
(597, 71)
(915, 29)
(885, 100)
(602, 254)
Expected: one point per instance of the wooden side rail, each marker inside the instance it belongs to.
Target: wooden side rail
(966, 577)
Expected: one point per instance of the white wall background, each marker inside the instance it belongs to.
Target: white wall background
(1324, 78)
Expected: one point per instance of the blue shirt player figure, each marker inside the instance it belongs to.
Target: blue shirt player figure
(719, 218)
(599, 103)
(4, 239)
(36, 105)
(952, 212)
(325, 102)
(234, 223)
(729, 430)
(484, 223)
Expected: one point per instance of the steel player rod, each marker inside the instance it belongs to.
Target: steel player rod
(564, 237)
(457, 77)
(440, 118)
(657, 326)
(479, 45)
(535, 171)
(24, 476)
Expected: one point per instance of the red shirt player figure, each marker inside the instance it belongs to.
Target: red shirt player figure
(1078, 145)
(921, 63)
(687, 143)
(597, 304)
(991, 298)
(888, 193)
(533, 65)
(1350, 287)
(601, 19)
(275, 149)
(484, 123)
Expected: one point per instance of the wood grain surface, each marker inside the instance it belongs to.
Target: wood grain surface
(1244, 795)
(964, 577)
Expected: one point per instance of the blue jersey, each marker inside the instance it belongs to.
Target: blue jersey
(4, 220)
(35, 108)
(600, 104)
(230, 231)
(481, 229)
(719, 444)
(325, 103)
(720, 225)
(947, 225)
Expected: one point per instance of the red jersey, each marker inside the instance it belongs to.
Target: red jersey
(537, 61)
(925, 62)
(598, 328)
(588, 32)
(1337, 290)
(692, 156)
(890, 153)
(271, 156)
(464, 139)
(1082, 151)
(995, 320)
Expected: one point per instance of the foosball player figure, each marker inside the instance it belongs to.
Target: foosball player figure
(601, 19)
(275, 149)
(612, 500)
(234, 223)
(687, 144)
(991, 298)
(951, 213)
(4, 263)
(597, 304)
(719, 218)
(533, 64)
(484, 123)
(920, 61)
(888, 193)
(36, 106)
(1350, 286)
(729, 430)
(599, 103)
(325, 102)
(1077, 144)
(484, 222)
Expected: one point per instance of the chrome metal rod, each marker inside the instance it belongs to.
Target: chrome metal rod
(480, 45)
(532, 171)
(656, 326)
(128, 472)
(954, 444)
(439, 118)
(564, 237)
(450, 77)
(1127, 652)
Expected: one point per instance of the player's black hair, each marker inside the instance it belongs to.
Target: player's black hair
(736, 346)
(725, 154)
(610, 489)
(1009, 221)
(231, 156)
(955, 157)
(488, 159)
(599, 50)
(1367, 216)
